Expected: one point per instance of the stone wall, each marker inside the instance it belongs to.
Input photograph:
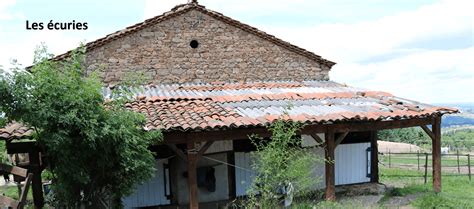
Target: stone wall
(162, 54)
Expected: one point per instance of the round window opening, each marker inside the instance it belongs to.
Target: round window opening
(194, 44)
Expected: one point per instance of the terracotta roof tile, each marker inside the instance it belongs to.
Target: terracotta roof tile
(223, 111)
(313, 102)
(15, 130)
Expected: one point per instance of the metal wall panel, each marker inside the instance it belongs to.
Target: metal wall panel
(151, 193)
(243, 177)
(351, 163)
(351, 167)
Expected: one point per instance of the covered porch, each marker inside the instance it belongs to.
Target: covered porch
(193, 117)
(334, 134)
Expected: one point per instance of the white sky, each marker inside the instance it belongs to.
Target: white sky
(422, 50)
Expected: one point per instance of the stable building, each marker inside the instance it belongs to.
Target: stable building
(211, 81)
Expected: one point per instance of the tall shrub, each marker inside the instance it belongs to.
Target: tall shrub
(281, 163)
(97, 151)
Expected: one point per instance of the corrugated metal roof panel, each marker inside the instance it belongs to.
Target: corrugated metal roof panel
(213, 106)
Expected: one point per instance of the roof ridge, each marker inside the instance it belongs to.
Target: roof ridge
(183, 8)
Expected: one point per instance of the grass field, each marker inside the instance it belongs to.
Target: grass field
(457, 191)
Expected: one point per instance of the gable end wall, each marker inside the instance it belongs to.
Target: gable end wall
(162, 54)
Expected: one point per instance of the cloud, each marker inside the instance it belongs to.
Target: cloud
(386, 46)
(23, 49)
(362, 40)
(429, 76)
(154, 8)
(385, 53)
(8, 15)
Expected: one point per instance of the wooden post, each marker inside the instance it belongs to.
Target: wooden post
(436, 154)
(418, 157)
(457, 156)
(469, 165)
(426, 167)
(37, 184)
(389, 160)
(231, 175)
(330, 161)
(192, 176)
(374, 167)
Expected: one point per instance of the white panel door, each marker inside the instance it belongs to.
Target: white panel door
(351, 163)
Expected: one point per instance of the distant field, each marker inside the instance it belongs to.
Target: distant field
(412, 160)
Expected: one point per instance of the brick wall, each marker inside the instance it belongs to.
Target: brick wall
(162, 53)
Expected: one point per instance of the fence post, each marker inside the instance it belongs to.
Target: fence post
(418, 157)
(426, 166)
(389, 160)
(457, 155)
(469, 165)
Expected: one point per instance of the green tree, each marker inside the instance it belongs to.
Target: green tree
(97, 151)
(459, 139)
(280, 162)
(406, 135)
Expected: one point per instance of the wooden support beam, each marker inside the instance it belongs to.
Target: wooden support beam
(330, 161)
(231, 175)
(24, 191)
(317, 139)
(244, 133)
(15, 170)
(204, 148)
(374, 158)
(436, 154)
(22, 147)
(341, 137)
(218, 135)
(192, 176)
(380, 125)
(178, 151)
(428, 131)
(37, 184)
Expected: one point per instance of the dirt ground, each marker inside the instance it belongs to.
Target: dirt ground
(369, 195)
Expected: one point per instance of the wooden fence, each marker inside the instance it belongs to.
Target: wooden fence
(453, 164)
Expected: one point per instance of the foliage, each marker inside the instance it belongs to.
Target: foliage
(280, 162)
(406, 135)
(459, 139)
(3, 152)
(97, 153)
(3, 121)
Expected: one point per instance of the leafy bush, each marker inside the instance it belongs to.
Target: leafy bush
(97, 153)
(281, 162)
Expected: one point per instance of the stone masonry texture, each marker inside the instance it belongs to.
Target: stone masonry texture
(161, 54)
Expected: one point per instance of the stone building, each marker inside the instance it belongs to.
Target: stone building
(209, 81)
(193, 44)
